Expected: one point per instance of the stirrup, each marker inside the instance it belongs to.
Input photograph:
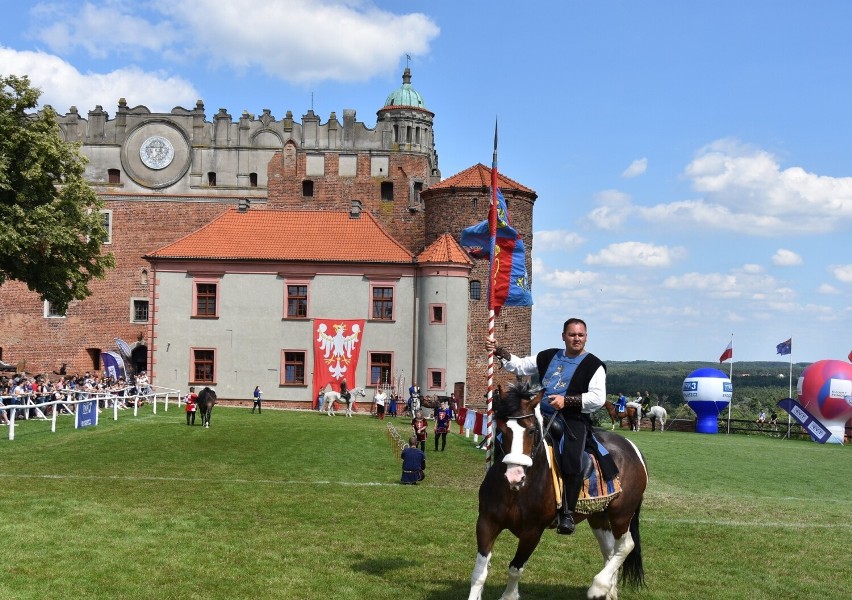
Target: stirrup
(565, 524)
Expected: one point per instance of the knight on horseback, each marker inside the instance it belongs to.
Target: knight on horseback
(574, 381)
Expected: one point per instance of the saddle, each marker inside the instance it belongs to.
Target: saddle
(597, 492)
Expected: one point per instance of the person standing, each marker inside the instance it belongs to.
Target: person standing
(320, 400)
(419, 425)
(191, 406)
(574, 382)
(380, 399)
(257, 397)
(413, 463)
(442, 425)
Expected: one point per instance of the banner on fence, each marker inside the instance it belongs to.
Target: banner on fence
(809, 423)
(87, 414)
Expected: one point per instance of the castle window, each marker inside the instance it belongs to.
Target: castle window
(114, 176)
(396, 133)
(297, 301)
(380, 368)
(252, 179)
(437, 314)
(417, 136)
(205, 303)
(293, 367)
(307, 188)
(382, 303)
(140, 311)
(415, 192)
(387, 191)
(203, 366)
(107, 215)
(50, 312)
(435, 379)
(475, 290)
(211, 179)
(408, 134)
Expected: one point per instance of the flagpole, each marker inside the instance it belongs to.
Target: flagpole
(789, 424)
(492, 231)
(731, 377)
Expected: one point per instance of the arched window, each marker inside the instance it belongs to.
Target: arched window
(252, 179)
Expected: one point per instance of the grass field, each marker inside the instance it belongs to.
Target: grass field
(298, 505)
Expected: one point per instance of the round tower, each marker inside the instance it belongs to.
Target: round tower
(459, 202)
(410, 123)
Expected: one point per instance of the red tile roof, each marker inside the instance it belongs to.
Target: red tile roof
(444, 250)
(479, 176)
(259, 234)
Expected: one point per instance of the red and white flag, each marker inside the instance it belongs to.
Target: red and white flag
(728, 353)
(337, 346)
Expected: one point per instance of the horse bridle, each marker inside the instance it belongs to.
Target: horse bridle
(541, 433)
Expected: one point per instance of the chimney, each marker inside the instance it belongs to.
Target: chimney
(355, 210)
(244, 204)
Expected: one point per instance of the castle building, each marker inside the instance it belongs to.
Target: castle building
(270, 214)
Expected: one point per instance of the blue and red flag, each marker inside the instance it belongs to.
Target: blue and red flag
(509, 282)
(784, 347)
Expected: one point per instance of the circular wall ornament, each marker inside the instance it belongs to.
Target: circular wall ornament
(156, 152)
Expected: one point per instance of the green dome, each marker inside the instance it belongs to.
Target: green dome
(405, 95)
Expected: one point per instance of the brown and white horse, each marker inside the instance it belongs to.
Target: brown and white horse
(616, 416)
(518, 494)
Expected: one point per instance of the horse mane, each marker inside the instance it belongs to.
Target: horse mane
(510, 404)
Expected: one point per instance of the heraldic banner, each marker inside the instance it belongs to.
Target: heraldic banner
(337, 345)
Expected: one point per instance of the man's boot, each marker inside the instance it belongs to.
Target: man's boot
(565, 517)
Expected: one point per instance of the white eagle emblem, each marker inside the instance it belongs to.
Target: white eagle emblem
(337, 348)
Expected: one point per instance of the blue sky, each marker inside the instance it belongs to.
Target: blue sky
(692, 159)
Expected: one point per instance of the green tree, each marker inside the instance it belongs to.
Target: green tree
(51, 227)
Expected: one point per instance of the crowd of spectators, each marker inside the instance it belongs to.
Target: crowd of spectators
(26, 391)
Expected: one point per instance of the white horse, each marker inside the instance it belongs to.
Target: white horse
(658, 413)
(333, 396)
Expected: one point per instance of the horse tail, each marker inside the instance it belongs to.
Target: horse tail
(632, 571)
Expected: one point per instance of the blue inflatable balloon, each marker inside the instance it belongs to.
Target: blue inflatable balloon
(707, 392)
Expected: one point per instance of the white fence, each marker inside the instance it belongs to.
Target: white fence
(72, 398)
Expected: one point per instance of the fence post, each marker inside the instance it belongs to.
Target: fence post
(12, 418)
(53, 419)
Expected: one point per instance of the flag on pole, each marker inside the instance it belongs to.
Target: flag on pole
(509, 282)
(785, 347)
(728, 353)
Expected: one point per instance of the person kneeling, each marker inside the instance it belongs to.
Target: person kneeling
(413, 463)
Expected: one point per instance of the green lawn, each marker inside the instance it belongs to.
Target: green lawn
(302, 506)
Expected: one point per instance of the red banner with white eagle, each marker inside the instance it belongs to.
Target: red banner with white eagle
(337, 345)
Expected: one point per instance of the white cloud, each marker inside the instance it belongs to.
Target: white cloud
(828, 289)
(745, 283)
(613, 210)
(842, 272)
(786, 258)
(558, 278)
(303, 41)
(745, 191)
(636, 254)
(636, 168)
(557, 239)
(64, 86)
(104, 30)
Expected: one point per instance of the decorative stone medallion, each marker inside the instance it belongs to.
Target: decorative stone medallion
(157, 152)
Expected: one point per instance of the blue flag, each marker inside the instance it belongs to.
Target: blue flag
(785, 347)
